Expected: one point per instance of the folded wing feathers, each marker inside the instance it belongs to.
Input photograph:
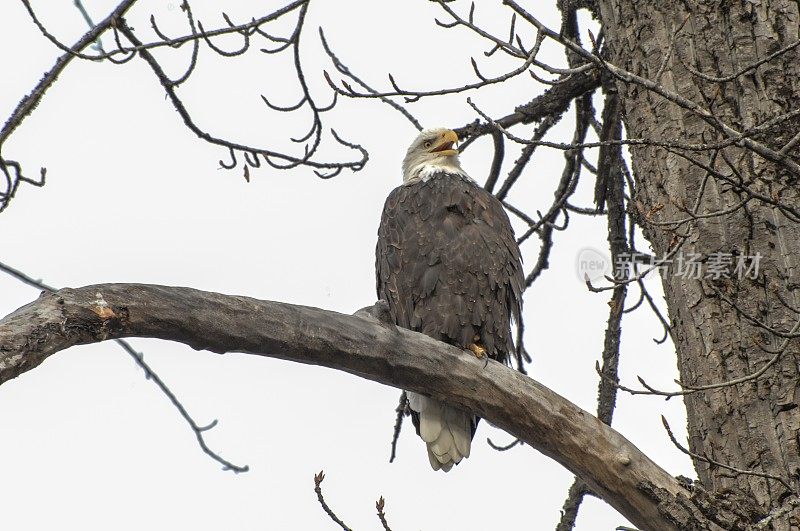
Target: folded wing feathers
(447, 431)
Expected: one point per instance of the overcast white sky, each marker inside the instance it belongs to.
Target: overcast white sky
(134, 196)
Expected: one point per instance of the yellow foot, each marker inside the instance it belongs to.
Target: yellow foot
(478, 350)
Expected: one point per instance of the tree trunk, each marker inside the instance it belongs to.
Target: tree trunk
(716, 322)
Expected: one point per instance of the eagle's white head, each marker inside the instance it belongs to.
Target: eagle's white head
(433, 150)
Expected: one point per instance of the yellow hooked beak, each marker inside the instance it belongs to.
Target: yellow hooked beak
(445, 144)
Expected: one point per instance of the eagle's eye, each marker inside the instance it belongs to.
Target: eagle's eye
(427, 144)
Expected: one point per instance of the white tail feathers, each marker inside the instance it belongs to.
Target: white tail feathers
(447, 431)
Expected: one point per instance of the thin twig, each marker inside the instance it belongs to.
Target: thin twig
(245, 30)
(629, 77)
(497, 161)
(690, 389)
(98, 44)
(657, 312)
(379, 505)
(668, 54)
(744, 69)
(149, 373)
(552, 103)
(29, 102)
(268, 155)
(415, 95)
(710, 461)
(318, 489)
(341, 67)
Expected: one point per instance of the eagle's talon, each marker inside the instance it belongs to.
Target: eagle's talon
(478, 350)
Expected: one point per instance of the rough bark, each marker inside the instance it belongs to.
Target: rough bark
(755, 425)
(368, 347)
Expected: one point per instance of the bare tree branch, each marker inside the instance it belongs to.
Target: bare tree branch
(569, 511)
(609, 464)
(342, 68)
(29, 102)
(609, 190)
(149, 374)
(412, 96)
(287, 160)
(554, 102)
(245, 30)
(629, 77)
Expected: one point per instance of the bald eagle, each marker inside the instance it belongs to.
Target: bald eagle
(449, 267)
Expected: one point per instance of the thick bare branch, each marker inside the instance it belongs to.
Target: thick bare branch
(609, 464)
(554, 102)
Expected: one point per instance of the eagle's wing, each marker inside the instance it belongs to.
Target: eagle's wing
(448, 263)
